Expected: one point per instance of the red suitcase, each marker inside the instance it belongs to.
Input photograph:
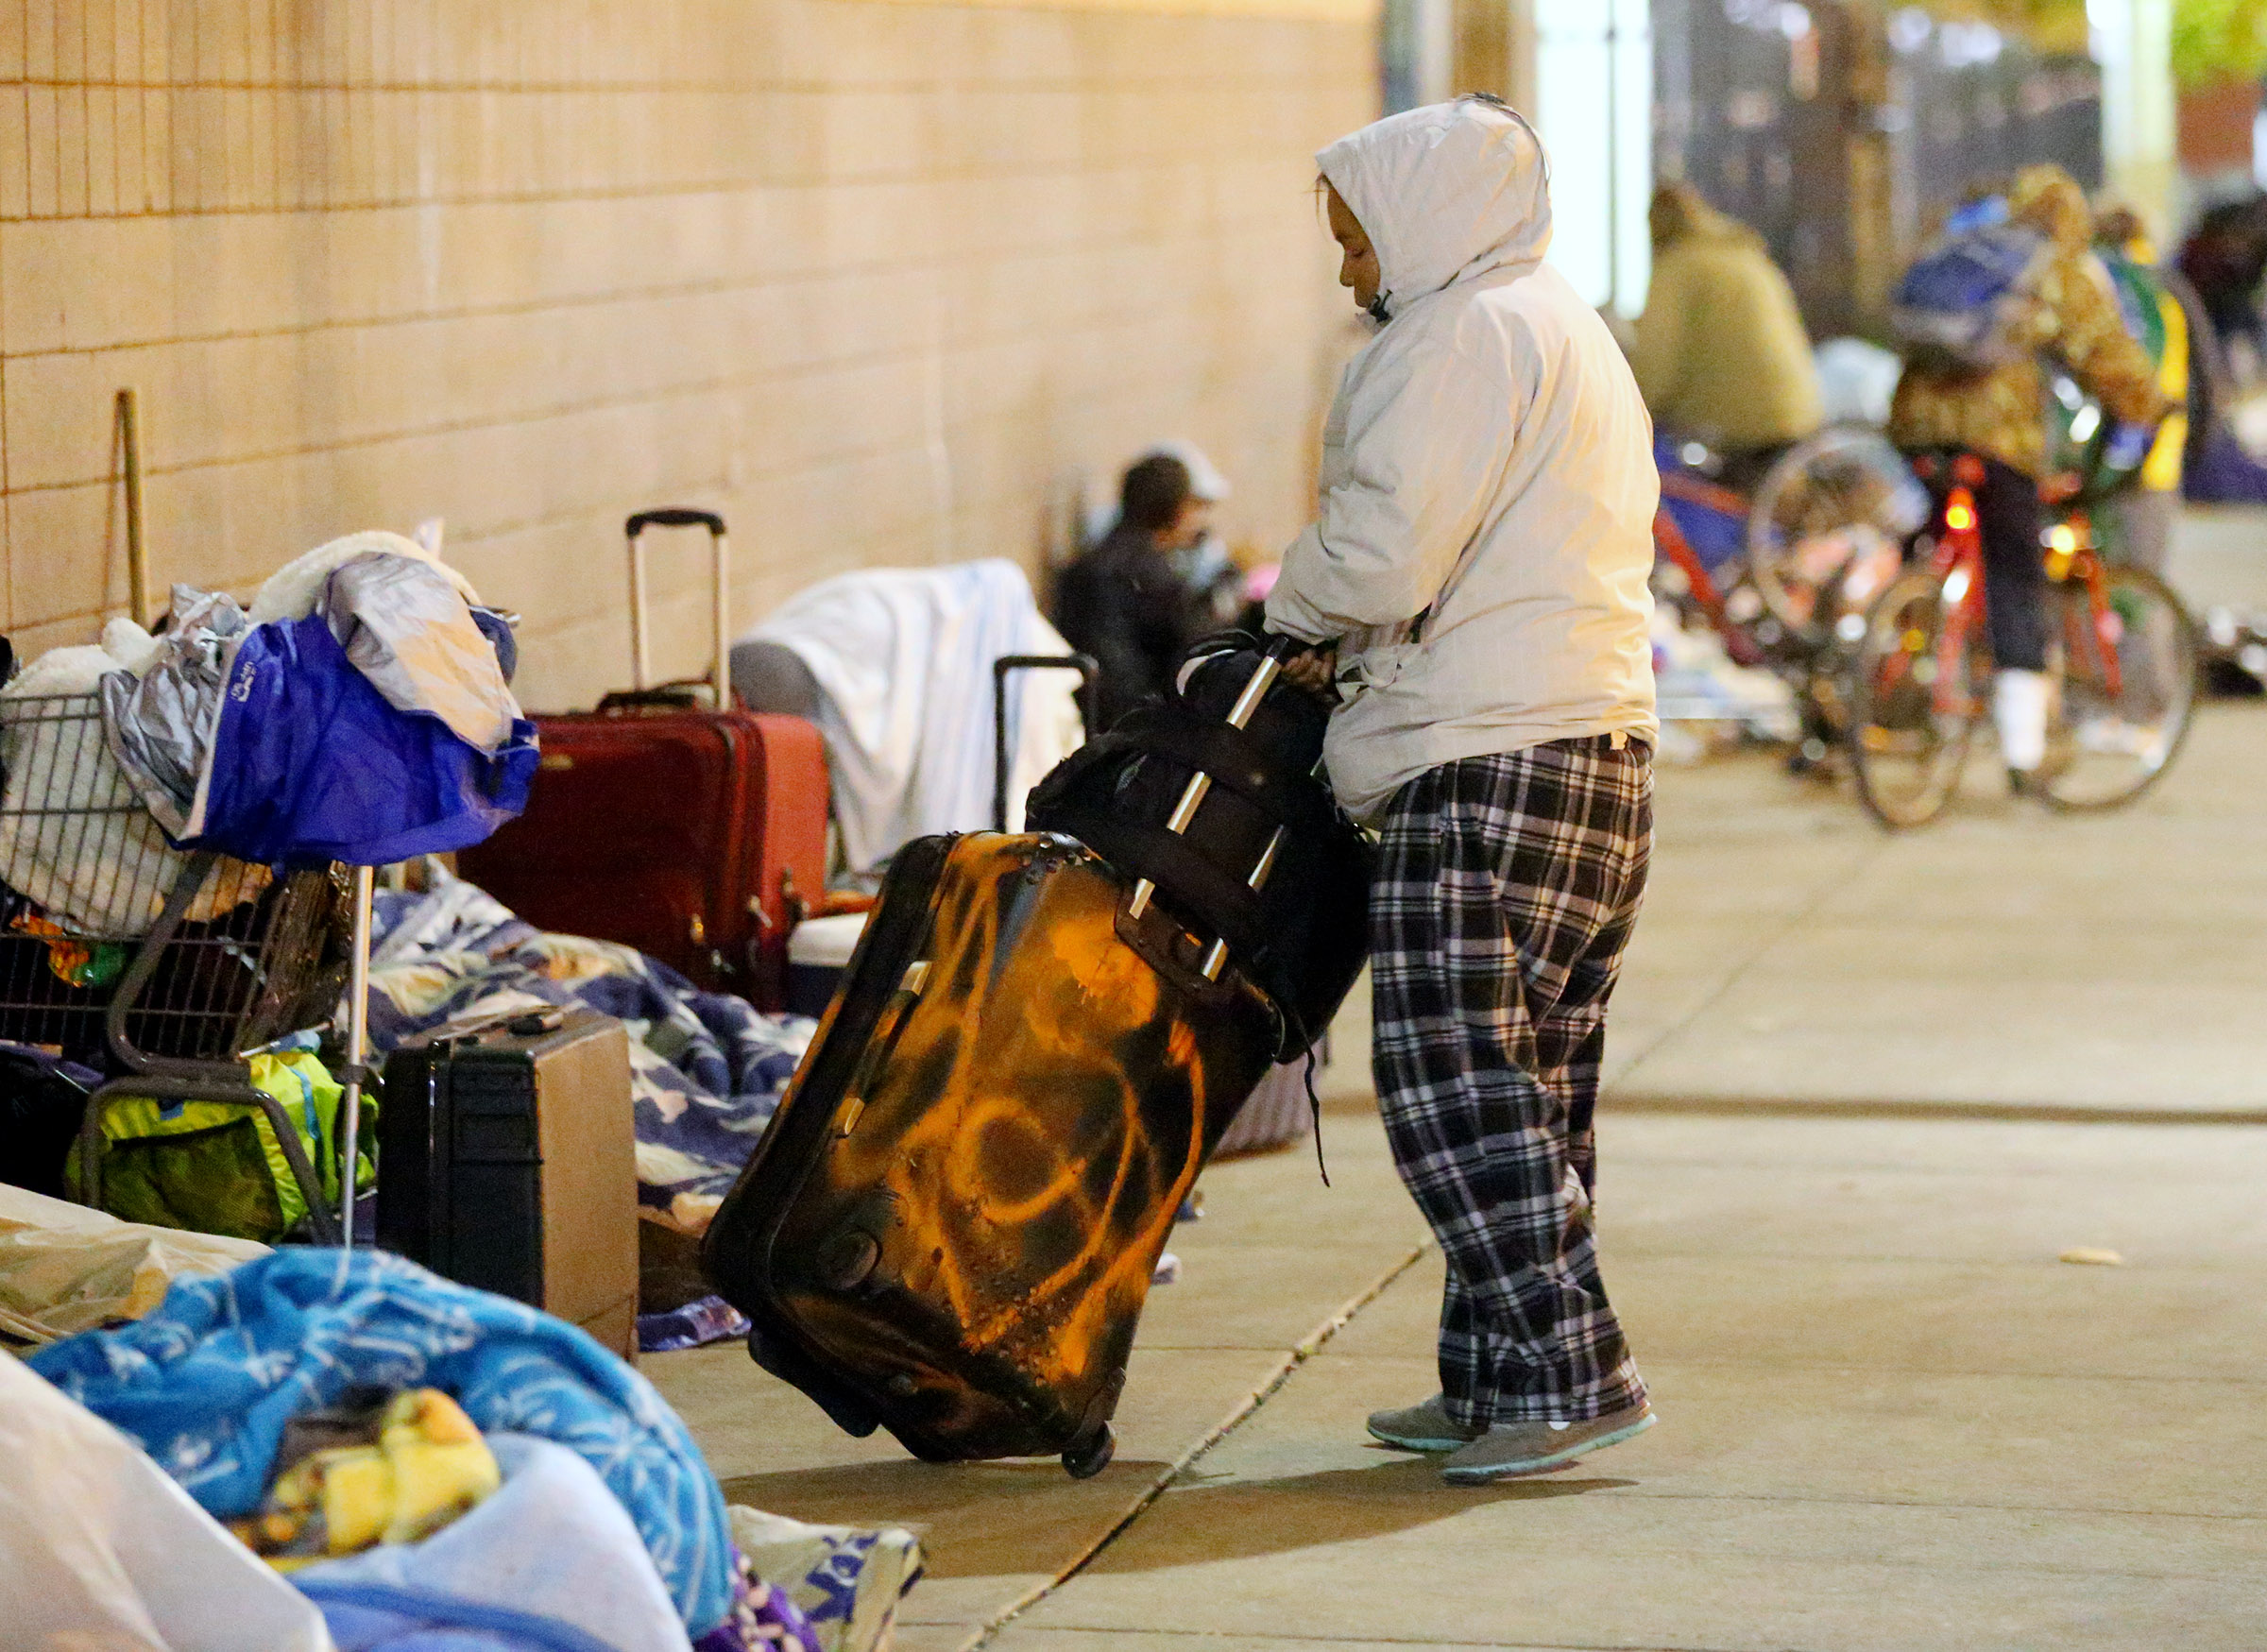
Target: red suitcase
(693, 833)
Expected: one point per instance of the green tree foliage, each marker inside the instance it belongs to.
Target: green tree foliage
(2219, 40)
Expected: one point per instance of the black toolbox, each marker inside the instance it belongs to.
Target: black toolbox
(507, 1160)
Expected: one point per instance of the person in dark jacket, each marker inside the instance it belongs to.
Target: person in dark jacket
(1125, 601)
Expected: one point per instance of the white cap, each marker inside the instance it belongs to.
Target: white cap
(1205, 480)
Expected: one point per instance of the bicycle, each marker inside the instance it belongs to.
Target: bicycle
(2122, 666)
(1782, 575)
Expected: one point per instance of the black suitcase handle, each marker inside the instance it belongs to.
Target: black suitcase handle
(1003, 668)
(673, 515)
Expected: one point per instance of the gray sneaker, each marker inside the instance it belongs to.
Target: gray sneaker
(1425, 1427)
(1510, 1450)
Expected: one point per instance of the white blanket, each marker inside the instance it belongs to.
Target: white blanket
(552, 1541)
(903, 659)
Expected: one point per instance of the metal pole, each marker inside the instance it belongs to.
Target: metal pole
(1216, 958)
(1200, 783)
(637, 654)
(137, 552)
(358, 1043)
(722, 673)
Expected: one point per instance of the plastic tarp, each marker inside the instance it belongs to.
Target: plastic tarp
(160, 721)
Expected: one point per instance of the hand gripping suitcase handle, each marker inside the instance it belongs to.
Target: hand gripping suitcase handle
(1003, 668)
(720, 559)
(1192, 795)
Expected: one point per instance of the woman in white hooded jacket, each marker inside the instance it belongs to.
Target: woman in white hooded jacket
(1477, 573)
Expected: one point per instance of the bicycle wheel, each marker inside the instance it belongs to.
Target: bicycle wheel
(1826, 527)
(1908, 743)
(2109, 746)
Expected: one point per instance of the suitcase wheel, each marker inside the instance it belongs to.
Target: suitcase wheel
(1084, 1459)
(845, 1260)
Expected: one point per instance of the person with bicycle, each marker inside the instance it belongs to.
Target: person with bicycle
(2067, 310)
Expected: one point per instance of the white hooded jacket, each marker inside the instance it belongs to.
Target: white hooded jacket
(1487, 485)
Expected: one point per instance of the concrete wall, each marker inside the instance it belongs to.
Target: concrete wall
(876, 279)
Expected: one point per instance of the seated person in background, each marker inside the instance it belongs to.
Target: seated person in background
(1721, 351)
(1215, 582)
(1138, 597)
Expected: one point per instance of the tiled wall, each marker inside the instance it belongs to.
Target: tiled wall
(877, 281)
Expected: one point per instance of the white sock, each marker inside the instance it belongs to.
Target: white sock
(2018, 710)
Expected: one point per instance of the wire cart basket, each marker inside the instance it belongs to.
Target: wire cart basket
(163, 966)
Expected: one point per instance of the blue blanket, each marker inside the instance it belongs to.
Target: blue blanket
(207, 1382)
(707, 1071)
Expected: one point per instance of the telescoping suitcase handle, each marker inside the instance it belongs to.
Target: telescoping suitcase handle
(721, 556)
(1279, 650)
(1003, 668)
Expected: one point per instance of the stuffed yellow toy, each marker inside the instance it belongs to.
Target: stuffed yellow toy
(426, 1466)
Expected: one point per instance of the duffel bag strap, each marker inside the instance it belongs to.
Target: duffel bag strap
(1213, 897)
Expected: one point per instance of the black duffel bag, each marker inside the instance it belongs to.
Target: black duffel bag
(1302, 935)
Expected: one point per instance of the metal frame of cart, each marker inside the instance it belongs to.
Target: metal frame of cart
(222, 955)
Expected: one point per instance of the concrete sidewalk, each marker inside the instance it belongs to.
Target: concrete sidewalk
(2005, 958)
(1892, 1420)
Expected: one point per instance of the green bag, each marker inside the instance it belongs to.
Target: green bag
(216, 1166)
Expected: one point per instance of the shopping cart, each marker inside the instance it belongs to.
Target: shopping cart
(120, 950)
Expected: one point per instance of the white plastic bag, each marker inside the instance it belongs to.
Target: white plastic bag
(101, 1552)
(65, 1268)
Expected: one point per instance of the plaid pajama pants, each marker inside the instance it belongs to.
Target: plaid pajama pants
(1507, 890)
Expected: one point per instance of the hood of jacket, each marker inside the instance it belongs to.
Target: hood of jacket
(1445, 192)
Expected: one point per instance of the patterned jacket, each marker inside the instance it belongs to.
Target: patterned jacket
(2001, 413)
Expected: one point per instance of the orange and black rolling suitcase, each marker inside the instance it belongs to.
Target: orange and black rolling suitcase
(950, 1225)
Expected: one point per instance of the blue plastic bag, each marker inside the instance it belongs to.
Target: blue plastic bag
(311, 764)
